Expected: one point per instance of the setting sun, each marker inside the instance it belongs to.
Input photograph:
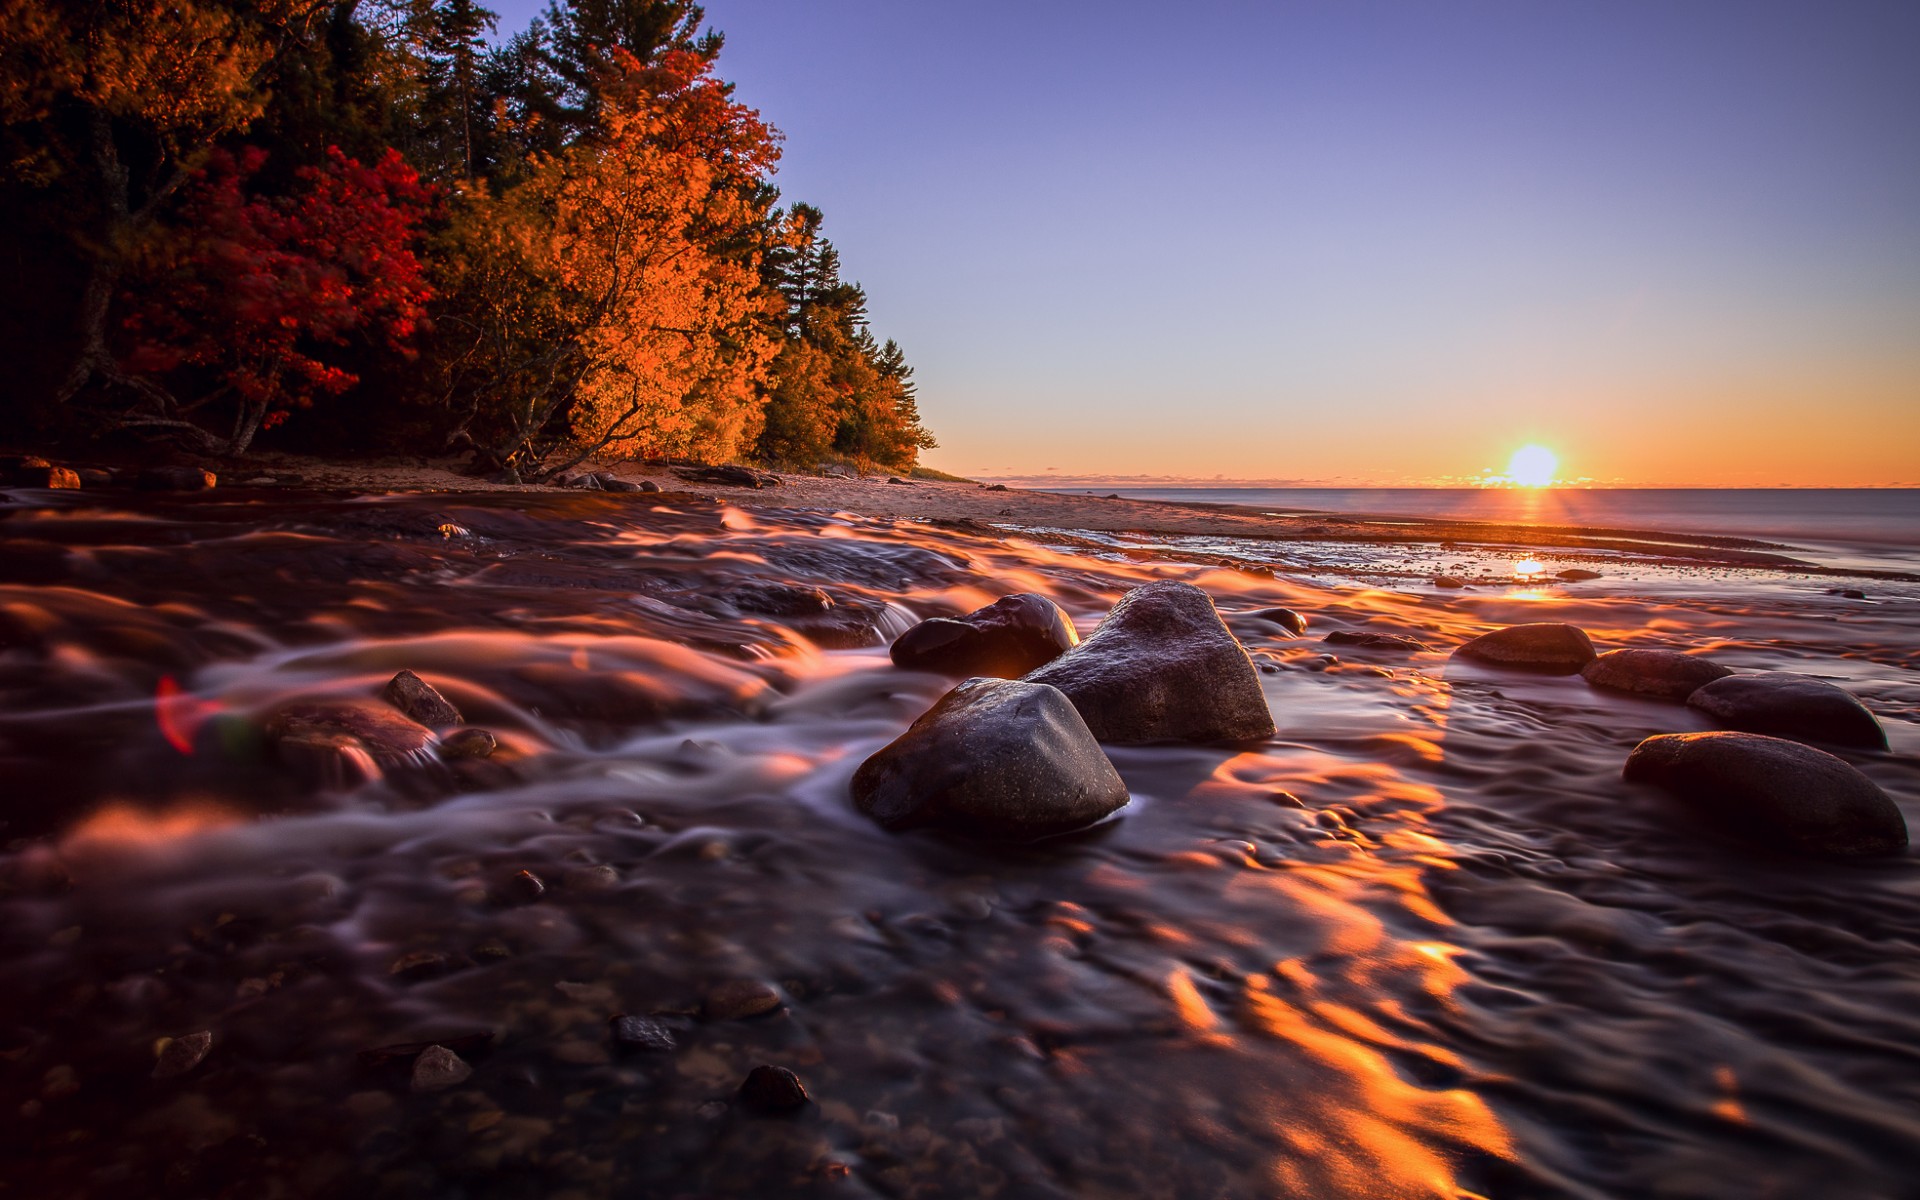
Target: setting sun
(1532, 466)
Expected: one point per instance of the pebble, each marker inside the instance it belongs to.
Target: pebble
(773, 1090)
(437, 1069)
(739, 998)
(632, 1033)
(182, 1054)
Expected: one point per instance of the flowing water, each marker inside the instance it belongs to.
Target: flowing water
(1423, 942)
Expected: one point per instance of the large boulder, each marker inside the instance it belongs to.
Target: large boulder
(1668, 674)
(1006, 639)
(1162, 667)
(1545, 646)
(1773, 791)
(995, 758)
(1794, 706)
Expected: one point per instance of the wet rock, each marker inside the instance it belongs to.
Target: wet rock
(609, 482)
(1577, 575)
(421, 965)
(1449, 581)
(1544, 646)
(46, 477)
(438, 1069)
(597, 877)
(738, 998)
(182, 1054)
(419, 699)
(1773, 791)
(95, 477)
(1005, 639)
(1848, 593)
(730, 475)
(584, 483)
(1371, 640)
(1792, 706)
(468, 743)
(994, 758)
(640, 1035)
(341, 744)
(175, 479)
(1652, 672)
(524, 887)
(1162, 667)
(648, 485)
(778, 599)
(773, 1090)
(1284, 617)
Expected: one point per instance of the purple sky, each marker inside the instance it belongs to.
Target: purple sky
(1360, 242)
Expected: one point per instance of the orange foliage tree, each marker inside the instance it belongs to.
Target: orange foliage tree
(611, 302)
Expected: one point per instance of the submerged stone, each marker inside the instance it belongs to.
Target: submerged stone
(640, 1035)
(737, 998)
(345, 743)
(1773, 791)
(1789, 705)
(1370, 640)
(994, 758)
(1163, 667)
(772, 1090)
(1286, 618)
(438, 1069)
(1542, 646)
(1005, 639)
(183, 1054)
(1652, 672)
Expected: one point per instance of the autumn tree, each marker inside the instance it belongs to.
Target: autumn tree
(247, 295)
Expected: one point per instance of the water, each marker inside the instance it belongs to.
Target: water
(1867, 526)
(1423, 942)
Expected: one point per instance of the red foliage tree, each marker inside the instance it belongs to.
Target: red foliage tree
(247, 293)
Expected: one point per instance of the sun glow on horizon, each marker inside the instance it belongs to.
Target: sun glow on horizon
(1533, 466)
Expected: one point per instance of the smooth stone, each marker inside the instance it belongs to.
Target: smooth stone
(420, 700)
(1005, 639)
(648, 485)
(994, 758)
(778, 599)
(737, 998)
(438, 1069)
(468, 743)
(609, 482)
(342, 744)
(524, 887)
(898, 480)
(1542, 646)
(183, 1054)
(640, 1035)
(1773, 791)
(1652, 672)
(1284, 617)
(1163, 667)
(1789, 705)
(175, 479)
(1372, 640)
(773, 1090)
(1577, 575)
(1449, 581)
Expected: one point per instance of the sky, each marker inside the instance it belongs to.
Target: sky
(1370, 243)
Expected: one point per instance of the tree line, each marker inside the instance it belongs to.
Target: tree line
(363, 225)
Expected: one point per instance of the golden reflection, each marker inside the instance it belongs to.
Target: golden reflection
(1529, 570)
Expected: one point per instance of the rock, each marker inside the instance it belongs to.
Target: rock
(182, 1054)
(1789, 705)
(898, 480)
(438, 1069)
(778, 599)
(1544, 646)
(1577, 575)
(524, 887)
(997, 487)
(737, 998)
(1372, 640)
(175, 479)
(1113, 495)
(1848, 593)
(1162, 667)
(11, 463)
(640, 1035)
(467, 743)
(1285, 617)
(94, 477)
(1005, 639)
(648, 485)
(418, 699)
(341, 744)
(420, 965)
(1773, 791)
(45, 477)
(728, 476)
(583, 482)
(773, 1090)
(1652, 672)
(609, 482)
(1448, 581)
(994, 758)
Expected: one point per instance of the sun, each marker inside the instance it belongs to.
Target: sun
(1532, 466)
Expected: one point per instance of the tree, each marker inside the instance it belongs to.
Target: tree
(247, 293)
